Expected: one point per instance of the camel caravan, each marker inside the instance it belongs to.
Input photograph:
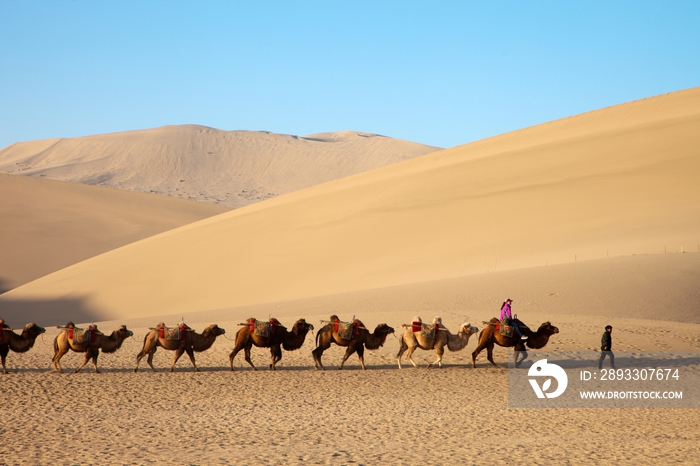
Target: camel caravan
(354, 336)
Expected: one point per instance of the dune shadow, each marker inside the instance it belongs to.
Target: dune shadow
(46, 313)
(4, 286)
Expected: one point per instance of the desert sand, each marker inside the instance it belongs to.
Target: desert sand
(231, 168)
(587, 221)
(453, 415)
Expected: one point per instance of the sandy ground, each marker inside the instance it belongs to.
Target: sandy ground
(454, 415)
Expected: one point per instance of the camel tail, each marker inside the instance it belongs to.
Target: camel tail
(142, 353)
(55, 348)
(402, 345)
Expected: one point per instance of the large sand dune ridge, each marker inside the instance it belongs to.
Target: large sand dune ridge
(232, 168)
(620, 180)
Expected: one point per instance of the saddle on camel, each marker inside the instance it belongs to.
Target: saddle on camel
(177, 333)
(347, 330)
(81, 336)
(427, 330)
(262, 328)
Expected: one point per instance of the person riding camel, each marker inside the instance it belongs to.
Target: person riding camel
(506, 314)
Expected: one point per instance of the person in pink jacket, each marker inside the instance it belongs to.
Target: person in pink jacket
(506, 313)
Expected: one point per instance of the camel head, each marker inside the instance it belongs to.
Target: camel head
(383, 329)
(547, 329)
(214, 329)
(302, 326)
(124, 332)
(437, 320)
(468, 329)
(33, 329)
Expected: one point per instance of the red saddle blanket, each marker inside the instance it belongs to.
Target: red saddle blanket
(173, 333)
(80, 336)
(262, 328)
(505, 328)
(347, 330)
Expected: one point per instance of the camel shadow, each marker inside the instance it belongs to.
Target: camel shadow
(623, 360)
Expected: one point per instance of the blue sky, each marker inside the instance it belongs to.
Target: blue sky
(438, 72)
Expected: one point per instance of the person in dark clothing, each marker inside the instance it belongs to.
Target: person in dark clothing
(606, 348)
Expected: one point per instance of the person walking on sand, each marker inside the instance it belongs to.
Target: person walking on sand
(606, 348)
(506, 313)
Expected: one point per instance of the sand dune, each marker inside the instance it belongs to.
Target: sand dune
(617, 181)
(48, 225)
(232, 168)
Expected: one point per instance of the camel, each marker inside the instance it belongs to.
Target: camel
(359, 341)
(490, 336)
(411, 341)
(245, 339)
(22, 343)
(108, 344)
(193, 342)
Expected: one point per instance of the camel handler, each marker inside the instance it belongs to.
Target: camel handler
(506, 314)
(606, 348)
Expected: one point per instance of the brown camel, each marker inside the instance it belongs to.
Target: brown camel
(361, 339)
(411, 341)
(490, 336)
(192, 342)
(9, 340)
(245, 339)
(108, 344)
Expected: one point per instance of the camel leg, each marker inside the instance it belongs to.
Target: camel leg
(489, 354)
(3, 355)
(57, 359)
(439, 351)
(86, 358)
(275, 356)
(190, 353)
(179, 352)
(138, 360)
(246, 352)
(95, 354)
(318, 353)
(149, 359)
(146, 351)
(409, 355)
(479, 348)
(520, 352)
(348, 352)
(361, 355)
(402, 350)
(233, 354)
